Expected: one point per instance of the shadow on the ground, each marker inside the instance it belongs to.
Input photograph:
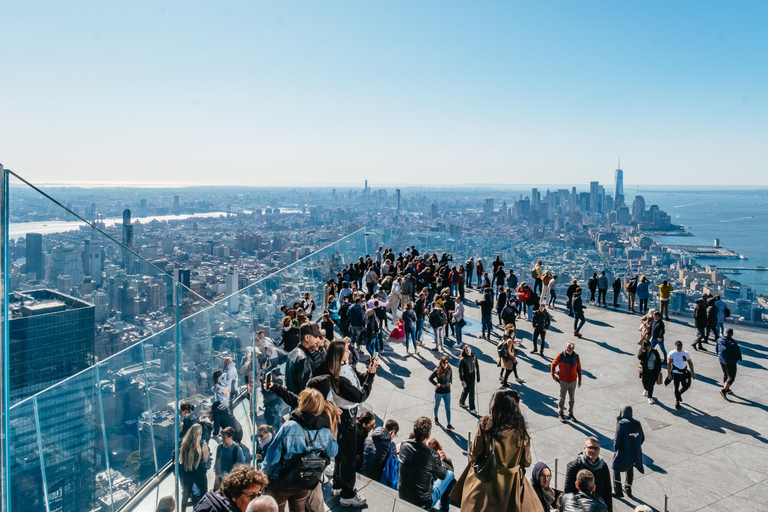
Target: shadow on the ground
(712, 422)
(538, 402)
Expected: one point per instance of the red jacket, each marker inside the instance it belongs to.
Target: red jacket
(479, 268)
(569, 367)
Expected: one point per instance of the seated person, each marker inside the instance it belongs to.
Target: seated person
(424, 478)
(376, 449)
(586, 499)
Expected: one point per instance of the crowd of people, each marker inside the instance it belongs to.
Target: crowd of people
(377, 300)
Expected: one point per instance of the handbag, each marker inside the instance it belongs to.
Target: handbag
(461, 323)
(659, 379)
(485, 471)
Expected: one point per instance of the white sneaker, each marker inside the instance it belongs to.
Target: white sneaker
(650, 401)
(645, 392)
(473, 411)
(520, 381)
(355, 501)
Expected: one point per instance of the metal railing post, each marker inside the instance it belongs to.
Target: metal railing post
(666, 502)
(177, 339)
(5, 442)
(555, 473)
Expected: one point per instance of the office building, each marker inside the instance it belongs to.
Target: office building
(34, 255)
(618, 187)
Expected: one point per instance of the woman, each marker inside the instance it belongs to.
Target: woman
(645, 326)
(523, 294)
(308, 304)
(458, 322)
(409, 324)
(469, 373)
(314, 419)
(373, 332)
(545, 287)
(541, 478)
(650, 368)
(398, 333)
(508, 364)
(290, 339)
(552, 292)
(462, 279)
(627, 451)
(453, 281)
(193, 458)
(643, 293)
(264, 437)
(395, 296)
(511, 449)
(442, 378)
(327, 326)
(501, 302)
(332, 307)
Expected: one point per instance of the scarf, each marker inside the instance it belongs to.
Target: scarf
(592, 466)
(265, 442)
(548, 494)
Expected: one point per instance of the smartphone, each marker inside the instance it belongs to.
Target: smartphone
(376, 356)
(268, 379)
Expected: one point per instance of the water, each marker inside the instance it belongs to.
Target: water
(739, 218)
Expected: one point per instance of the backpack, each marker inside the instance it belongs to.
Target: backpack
(727, 312)
(534, 274)
(306, 471)
(434, 318)
(391, 474)
(501, 348)
(246, 454)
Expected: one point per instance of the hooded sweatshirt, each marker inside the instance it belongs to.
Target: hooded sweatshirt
(627, 442)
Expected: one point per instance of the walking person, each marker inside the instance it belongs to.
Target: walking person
(590, 460)
(729, 355)
(602, 288)
(592, 285)
(627, 451)
(438, 320)
(409, 324)
(507, 359)
(503, 435)
(700, 322)
(373, 332)
(569, 294)
(566, 371)
(459, 322)
(442, 378)
(486, 314)
(721, 314)
(469, 373)
(643, 293)
(657, 333)
(650, 368)
(578, 313)
(665, 290)
(193, 464)
(541, 321)
(680, 369)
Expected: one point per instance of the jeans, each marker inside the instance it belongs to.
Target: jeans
(446, 399)
(441, 490)
(578, 320)
(643, 305)
(660, 343)
(720, 327)
(458, 332)
(354, 334)
(468, 392)
(469, 277)
(529, 312)
(568, 388)
(487, 325)
(552, 297)
(537, 284)
(410, 332)
(616, 299)
(455, 290)
(601, 296)
(419, 328)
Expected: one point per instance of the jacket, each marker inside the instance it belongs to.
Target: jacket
(222, 389)
(469, 369)
(298, 369)
(486, 305)
(643, 356)
(509, 362)
(592, 284)
(376, 450)
(643, 290)
(658, 330)
(571, 290)
(617, 286)
(420, 466)
(602, 283)
(509, 315)
(665, 290)
(632, 286)
(409, 318)
(214, 501)
(720, 304)
(583, 502)
(568, 367)
(577, 305)
(700, 313)
(222, 418)
(711, 313)
(290, 441)
(728, 351)
(511, 491)
(541, 320)
(627, 442)
(290, 339)
(437, 318)
(356, 316)
(406, 288)
(603, 483)
(443, 383)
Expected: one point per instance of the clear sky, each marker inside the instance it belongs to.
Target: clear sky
(399, 92)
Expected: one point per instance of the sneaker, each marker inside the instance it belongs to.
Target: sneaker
(437, 422)
(650, 401)
(534, 352)
(677, 405)
(449, 427)
(473, 411)
(573, 418)
(645, 392)
(723, 394)
(577, 334)
(520, 381)
(355, 501)
(463, 406)
(562, 418)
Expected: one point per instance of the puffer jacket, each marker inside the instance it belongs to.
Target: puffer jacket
(376, 450)
(420, 466)
(583, 502)
(214, 501)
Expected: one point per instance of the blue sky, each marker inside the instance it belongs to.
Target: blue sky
(397, 92)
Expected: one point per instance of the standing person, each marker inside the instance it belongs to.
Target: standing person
(407, 287)
(370, 280)
(356, 316)
(541, 480)
(425, 480)
(469, 266)
(700, 321)
(552, 292)
(187, 413)
(512, 280)
(578, 313)
(729, 355)
(228, 454)
(453, 281)
(541, 321)
(678, 365)
(721, 307)
(650, 365)
(300, 366)
(631, 288)
(590, 460)
(442, 378)
(711, 320)
(239, 488)
(665, 289)
(421, 311)
(658, 330)
(545, 281)
(479, 271)
(503, 435)
(616, 291)
(501, 301)
(395, 298)
(627, 450)
(602, 288)
(193, 459)
(469, 373)
(643, 293)
(566, 371)
(586, 499)
(438, 321)
(538, 274)
(592, 285)
(309, 305)
(290, 334)
(373, 332)
(459, 322)
(486, 314)
(507, 359)
(311, 427)
(234, 387)
(569, 294)
(409, 324)
(327, 326)
(462, 273)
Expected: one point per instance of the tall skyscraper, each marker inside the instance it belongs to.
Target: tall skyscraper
(176, 205)
(127, 242)
(34, 254)
(398, 199)
(618, 187)
(231, 288)
(594, 196)
(488, 207)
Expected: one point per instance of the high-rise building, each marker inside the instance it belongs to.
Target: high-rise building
(127, 242)
(176, 205)
(638, 208)
(398, 199)
(34, 254)
(618, 187)
(231, 288)
(433, 210)
(535, 198)
(594, 196)
(488, 207)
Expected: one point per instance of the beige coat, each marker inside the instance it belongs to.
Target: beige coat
(511, 491)
(509, 362)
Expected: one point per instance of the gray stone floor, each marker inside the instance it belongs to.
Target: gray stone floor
(711, 456)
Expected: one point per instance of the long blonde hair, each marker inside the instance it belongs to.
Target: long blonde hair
(312, 402)
(192, 451)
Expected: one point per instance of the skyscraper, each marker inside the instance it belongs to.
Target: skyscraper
(398, 199)
(127, 242)
(488, 207)
(618, 187)
(594, 196)
(34, 254)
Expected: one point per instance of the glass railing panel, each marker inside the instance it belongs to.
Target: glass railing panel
(27, 482)
(159, 356)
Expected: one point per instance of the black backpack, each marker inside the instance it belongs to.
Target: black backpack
(534, 274)
(305, 472)
(434, 318)
(501, 348)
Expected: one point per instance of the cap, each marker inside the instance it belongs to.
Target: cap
(311, 328)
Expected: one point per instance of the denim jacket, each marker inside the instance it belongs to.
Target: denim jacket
(289, 443)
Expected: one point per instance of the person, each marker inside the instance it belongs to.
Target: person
(541, 321)
(312, 426)
(616, 291)
(721, 307)
(569, 294)
(479, 270)
(586, 499)
(453, 281)
(221, 388)
(373, 332)
(645, 326)
(509, 313)
(508, 360)
(512, 280)
(541, 480)
(377, 449)
(602, 288)
(364, 424)
(503, 434)
(395, 296)
(409, 324)
(665, 289)
(657, 333)
(643, 293)
(420, 309)
(538, 274)
(578, 313)
(486, 314)
(711, 320)
(193, 460)
(356, 317)
(631, 288)
(300, 366)
(222, 417)
(545, 287)
(469, 373)
(438, 320)
(231, 370)
(458, 322)
(590, 460)
(228, 454)
(566, 370)
(700, 322)
(501, 301)
(728, 354)
(263, 504)
(592, 285)
(241, 486)
(523, 296)
(650, 366)
(552, 292)
(166, 504)
(308, 305)
(469, 266)
(265, 434)
(680, 369)
(442, 378)
(186, 411)
(290, 339)
(627, 450)
(327, 325)
(424, 478)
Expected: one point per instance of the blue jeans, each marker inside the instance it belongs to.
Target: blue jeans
(568, 305)
(446, 399)
(530, 312)
(419, 328)
(457, 329)
(660, 343)
(410, 332)
(440, 488)
(578, 320)
(355, 333)
(487, 324)
(455, 290)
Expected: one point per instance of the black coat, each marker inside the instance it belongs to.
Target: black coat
(375, 452)
(420, 466)
(643, 357)
(541, 319)
(603, 483)
(222, 418)
(469, 369)
(582, 502)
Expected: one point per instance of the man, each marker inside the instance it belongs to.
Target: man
(657, 332)
(469, 266)
(238, 489)
(541, 320)
(231, 370)
(438, 321)
(356, 316)
(592, 285)
(407, 288)
(578, 313)
(665, 289)
(729, 354)
(568, 375)
(377, 448)
(300, 366)
(569, 293)
(711, 320)
(631, 291)
(512, 280)
(486, 315)
(616, 292)
(228, 454)
(345, 292)
(602, 288)
(700, 322)
(590, 460)
(539, 273)
(586, 500)
(424, 479)
(263, 504)
(509, 313)
(678, 366)
(379, 254)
